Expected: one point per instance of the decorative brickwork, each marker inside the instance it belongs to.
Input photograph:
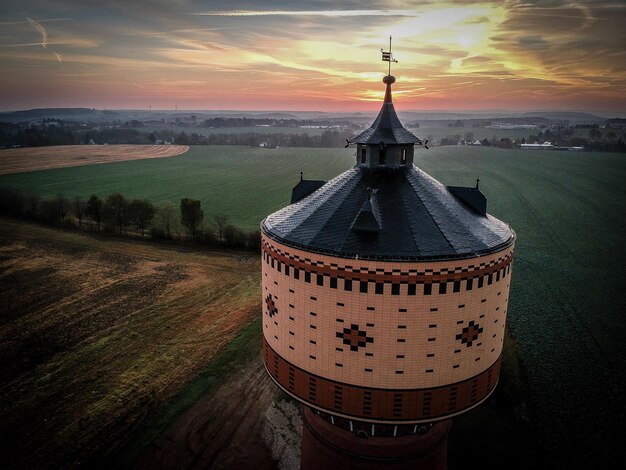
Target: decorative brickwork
(380, 405)
(413, 331)
(270, 305)
(354, 337)
(278, 257)
(469, 334)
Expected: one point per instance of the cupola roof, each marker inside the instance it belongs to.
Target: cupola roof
(387, 128)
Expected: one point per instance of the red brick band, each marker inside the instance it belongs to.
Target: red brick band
(411, 276)
(380, 405)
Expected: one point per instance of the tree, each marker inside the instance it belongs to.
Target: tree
(233, 236)
(141, 213)
(78, 205)
(253, 241)
(63, 206)
(505, 143)
(94, 209)
(115, 211)
(49, 210)
(167, 215)
(33, 202)
(191, 216)
(11, 201)
(54, 210)
(221, 222)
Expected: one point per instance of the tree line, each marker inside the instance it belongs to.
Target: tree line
(116, 214)
(609, 142)
(37, 136)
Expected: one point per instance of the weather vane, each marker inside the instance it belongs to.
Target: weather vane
(388, 56)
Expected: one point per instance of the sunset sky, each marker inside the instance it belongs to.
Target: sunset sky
(313, 55)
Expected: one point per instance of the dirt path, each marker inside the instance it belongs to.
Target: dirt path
(21, 160)
(222, 430)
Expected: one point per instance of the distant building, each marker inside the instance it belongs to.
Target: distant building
(545, 146)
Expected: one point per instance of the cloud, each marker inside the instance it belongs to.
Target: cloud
(328, 13)
(297, 53)
(41, 30)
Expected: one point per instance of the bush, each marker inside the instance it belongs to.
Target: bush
(11, 202)
(158, 233)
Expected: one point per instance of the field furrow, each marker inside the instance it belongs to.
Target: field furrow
(20, 160)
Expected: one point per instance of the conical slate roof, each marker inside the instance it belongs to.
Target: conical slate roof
(410, 216)
(386, 128)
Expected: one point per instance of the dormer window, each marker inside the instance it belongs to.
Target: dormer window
(363, 154)
(403, 156)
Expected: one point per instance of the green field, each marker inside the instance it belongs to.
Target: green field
(248, 183)
(245, 182)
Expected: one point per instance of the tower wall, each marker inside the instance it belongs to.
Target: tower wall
(382, 341)
(327, 446)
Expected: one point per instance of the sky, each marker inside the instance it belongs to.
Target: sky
(317, 55)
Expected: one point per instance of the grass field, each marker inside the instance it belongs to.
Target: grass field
(242, 181)
(97, 336)
(567, 298)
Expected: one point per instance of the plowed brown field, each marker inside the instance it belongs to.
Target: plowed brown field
(21, 160)
(98, 334)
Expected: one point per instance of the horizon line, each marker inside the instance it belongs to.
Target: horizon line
(287, 111)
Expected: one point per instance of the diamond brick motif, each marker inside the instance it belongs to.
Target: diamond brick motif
(271, 305)
(354, 337)
(470, 333)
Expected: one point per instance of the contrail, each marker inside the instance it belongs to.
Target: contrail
(58, 56)
(41, 30)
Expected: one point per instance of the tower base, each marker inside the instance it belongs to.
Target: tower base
(327, 446)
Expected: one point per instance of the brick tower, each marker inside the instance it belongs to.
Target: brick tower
(385, 297)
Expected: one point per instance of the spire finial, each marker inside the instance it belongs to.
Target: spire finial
(388, 57)
(301, 176)
(389, 79)
(477, 181)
